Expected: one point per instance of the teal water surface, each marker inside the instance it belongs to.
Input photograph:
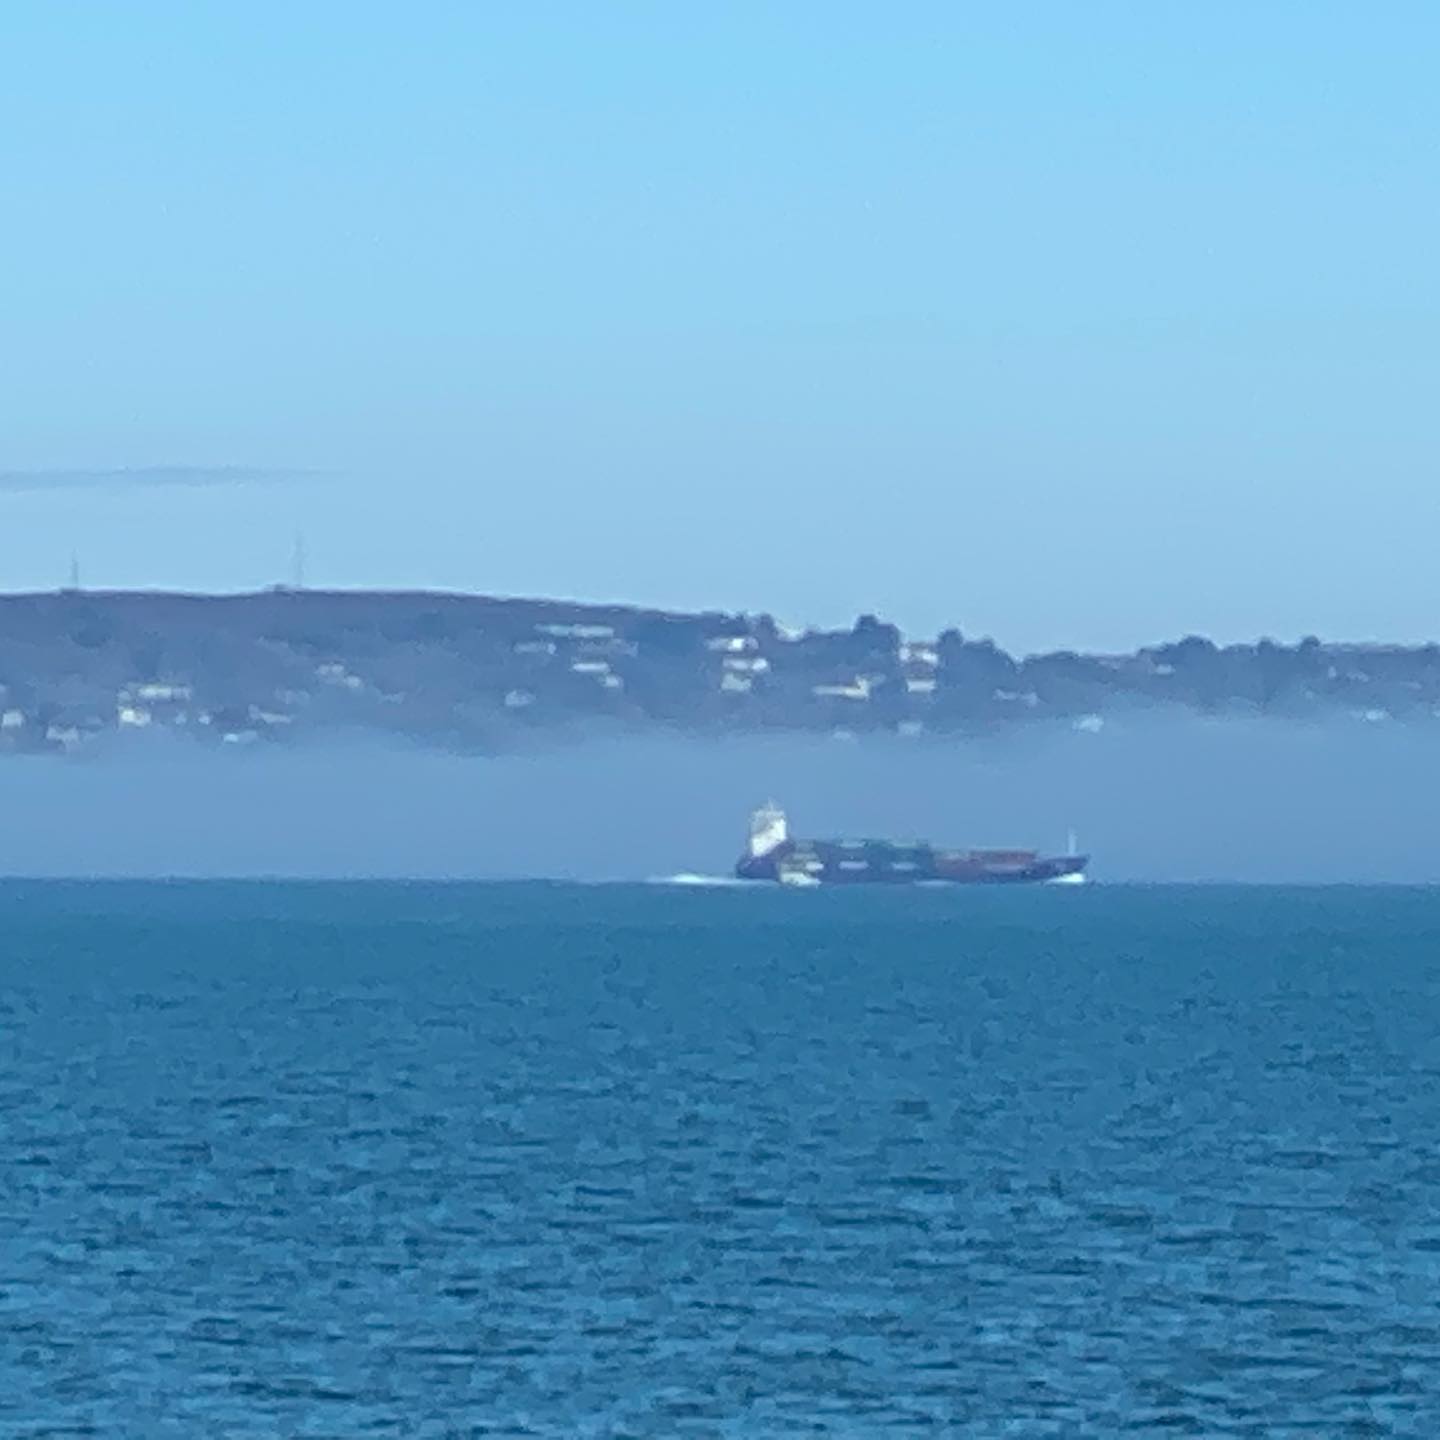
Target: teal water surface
(348, 1160)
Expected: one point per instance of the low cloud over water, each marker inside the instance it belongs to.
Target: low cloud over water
(1152, 800)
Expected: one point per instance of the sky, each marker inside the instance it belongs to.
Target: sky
(1075, 325)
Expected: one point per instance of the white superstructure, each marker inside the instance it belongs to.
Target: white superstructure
(768, 830)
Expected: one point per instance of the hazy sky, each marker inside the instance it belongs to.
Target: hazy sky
(1073, 323)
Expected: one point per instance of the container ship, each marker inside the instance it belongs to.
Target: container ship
(773, 855)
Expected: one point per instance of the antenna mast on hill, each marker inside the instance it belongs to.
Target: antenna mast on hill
(298, 563)
(74, 571)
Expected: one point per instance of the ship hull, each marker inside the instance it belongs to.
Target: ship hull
(798, 862)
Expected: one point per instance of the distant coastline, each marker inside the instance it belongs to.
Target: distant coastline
(475, 672)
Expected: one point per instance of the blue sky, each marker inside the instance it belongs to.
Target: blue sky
(1073, 324)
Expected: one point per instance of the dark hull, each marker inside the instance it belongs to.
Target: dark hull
(880, 863)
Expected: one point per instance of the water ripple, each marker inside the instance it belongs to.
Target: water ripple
(690, 1162)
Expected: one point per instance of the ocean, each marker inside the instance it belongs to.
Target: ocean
(527, 1160)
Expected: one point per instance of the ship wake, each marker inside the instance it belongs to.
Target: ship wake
(724, 882)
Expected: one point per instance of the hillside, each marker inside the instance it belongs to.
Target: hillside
(476, 672)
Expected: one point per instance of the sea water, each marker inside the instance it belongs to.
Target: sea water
(348, 1160)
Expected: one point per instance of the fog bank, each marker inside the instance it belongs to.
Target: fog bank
(1152, 800)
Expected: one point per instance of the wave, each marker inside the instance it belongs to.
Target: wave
(689, 878)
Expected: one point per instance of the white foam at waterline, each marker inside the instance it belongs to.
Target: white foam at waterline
(689, 878)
